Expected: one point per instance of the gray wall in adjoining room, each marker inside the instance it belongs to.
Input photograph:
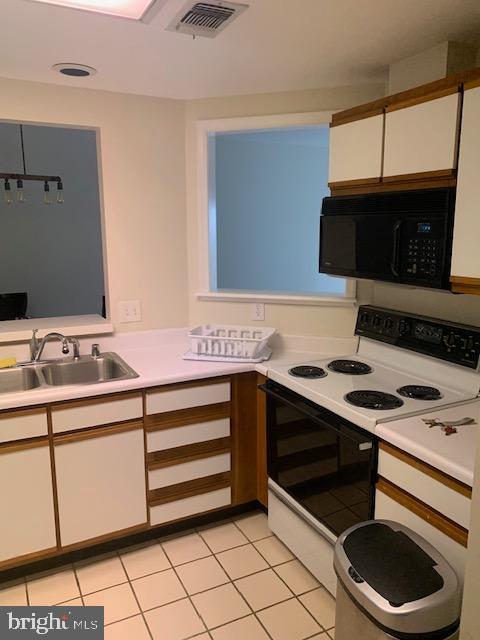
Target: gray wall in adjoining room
(53, 252)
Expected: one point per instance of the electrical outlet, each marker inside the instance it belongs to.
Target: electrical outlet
(130, 311)
(258, 311)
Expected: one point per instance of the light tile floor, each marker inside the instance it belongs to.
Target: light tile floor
(230, 581)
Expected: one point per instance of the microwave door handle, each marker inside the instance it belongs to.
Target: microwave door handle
(396, 248)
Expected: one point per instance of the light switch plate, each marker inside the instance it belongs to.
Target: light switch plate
(130, 311)
(258, 311)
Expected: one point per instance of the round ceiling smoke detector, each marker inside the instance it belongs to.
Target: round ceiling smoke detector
(74, 70)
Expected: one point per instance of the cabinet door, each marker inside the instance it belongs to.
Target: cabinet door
(356, 150)
(100, 483)
(26, 502)
(422, 138)
(466, 232)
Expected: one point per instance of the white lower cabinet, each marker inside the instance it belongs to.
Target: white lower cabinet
(100, 484)
(26, 502)
(191, 506)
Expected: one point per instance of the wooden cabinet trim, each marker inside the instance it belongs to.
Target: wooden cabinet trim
(189, 489)
(27, 558)
(184, 417)
(244, 437)
(464, 284)
(188, 384)
(420, 98)
(424, 511)
(427, 469)
(97, 432)
(472, 84)
(187, 453)
(340, 184)
(424, 175)
(27, 443)
(101, 399)
(357, 113)
(262, 476)
(29, 411)
(400, 185)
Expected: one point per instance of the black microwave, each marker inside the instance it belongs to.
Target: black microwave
(403, 236)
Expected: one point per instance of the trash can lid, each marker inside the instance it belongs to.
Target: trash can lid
(392, 563)
(400, 581)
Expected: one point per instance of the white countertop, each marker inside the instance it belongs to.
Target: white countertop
(454, 454)
(157, 358)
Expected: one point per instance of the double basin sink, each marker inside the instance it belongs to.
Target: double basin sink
(68, 371)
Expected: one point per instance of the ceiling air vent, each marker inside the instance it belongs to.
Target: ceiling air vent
(206, 19)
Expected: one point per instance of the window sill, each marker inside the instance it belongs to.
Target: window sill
(314, 301)
(18, 330)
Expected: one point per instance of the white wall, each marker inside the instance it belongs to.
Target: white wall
(142, 146)
(290, 319)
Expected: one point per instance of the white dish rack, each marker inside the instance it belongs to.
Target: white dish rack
(230, 341)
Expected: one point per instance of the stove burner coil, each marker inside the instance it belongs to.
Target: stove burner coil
(352, 367)
(378, 400)
(307, 371)
(419, 392)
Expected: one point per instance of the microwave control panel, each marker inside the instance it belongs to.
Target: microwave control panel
(423, 249)
(456, 343)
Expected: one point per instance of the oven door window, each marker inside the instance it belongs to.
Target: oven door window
(323, 469)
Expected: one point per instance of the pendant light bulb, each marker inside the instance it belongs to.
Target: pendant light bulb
(8, 192)
(60, 198)
(20, 192)
(46, 197)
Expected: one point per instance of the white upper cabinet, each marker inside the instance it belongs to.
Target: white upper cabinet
(356, 150)
(422, 137)
(466, 231)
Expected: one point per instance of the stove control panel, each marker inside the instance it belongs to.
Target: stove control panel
(456, 343)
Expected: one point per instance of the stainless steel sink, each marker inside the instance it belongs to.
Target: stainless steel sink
(18, 379)
(86, 370)
(68, 371)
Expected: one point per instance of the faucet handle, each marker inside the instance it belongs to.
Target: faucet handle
(95, 349)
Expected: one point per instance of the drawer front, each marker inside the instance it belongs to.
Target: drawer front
(18, 425)
(388, 509)
(196, 505)
(430, 491)
(162, 401)
(175, 474)
(189, 434)
(80, 415)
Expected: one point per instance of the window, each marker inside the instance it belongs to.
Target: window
(265, 193)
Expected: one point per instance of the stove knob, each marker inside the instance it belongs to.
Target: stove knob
(388, 324)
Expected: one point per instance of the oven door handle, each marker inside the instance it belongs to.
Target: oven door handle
(396, 248)
(363, 444)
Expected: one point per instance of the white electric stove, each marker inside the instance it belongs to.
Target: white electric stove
(322, 417)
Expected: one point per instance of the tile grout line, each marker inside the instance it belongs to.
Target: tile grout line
(135, 596)
(241, 595)
(78, 583)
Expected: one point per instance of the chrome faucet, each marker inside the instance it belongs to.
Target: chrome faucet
(76, 347)
(38, 347)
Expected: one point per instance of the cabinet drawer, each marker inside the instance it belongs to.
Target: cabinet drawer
(195, 505)
(96, 412)
(185, 397)
(189, 434)
(441, 497)
(18, 425)
(388, 509)
(175, 474)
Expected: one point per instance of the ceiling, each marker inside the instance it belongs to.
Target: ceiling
(275, 45)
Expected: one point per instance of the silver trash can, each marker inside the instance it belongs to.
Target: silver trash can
(393, 584)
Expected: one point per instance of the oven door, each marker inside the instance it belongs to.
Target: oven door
(323, 462)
